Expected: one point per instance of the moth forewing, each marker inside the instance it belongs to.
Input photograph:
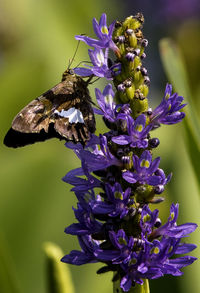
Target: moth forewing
(33, 118)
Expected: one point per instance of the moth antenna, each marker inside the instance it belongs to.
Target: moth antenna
(72, 59)
(88, 81)
(82, 62)
(93, 103)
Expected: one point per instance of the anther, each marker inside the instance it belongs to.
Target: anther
(138, 242)
(125, 160)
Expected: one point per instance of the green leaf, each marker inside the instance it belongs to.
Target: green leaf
(8, 281)
(174, 66)
(58, 274)
(136, 289)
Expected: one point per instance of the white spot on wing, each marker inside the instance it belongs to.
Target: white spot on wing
(73, 114)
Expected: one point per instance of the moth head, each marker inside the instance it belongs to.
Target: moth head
(67, 72)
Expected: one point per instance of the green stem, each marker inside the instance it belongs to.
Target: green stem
(136, 289)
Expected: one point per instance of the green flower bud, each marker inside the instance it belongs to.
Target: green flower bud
(138, 106)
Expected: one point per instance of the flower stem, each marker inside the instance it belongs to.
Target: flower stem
(136, 289)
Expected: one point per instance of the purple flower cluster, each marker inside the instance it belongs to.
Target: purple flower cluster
(119, 177)
(99, 54)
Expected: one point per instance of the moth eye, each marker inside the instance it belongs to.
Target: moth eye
(71, 71)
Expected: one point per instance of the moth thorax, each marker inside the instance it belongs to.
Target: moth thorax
(66, 73)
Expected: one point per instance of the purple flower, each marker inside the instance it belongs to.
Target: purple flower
(123, 246)
(149, 257)
(163, 181)
(92, 159)
(103, 33)
(137, 133)
(106, 103)
(113, 114)
(87, 223)
(148, 219)
(116, 202)
(171, 229)
(81, 184)
(154, 259)
(88, 246)
(145, 168)
(100, 67)
(168, 112)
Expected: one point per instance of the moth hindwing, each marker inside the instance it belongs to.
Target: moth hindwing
(64, 112)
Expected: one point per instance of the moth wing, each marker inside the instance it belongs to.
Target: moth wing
(34, 117)
(76, 121)
(39, 120)
(71, 125)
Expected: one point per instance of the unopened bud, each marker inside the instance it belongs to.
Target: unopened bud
(144, 43)
(143, 56)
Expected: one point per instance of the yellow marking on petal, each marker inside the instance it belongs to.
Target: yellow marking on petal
(104, 30)
(167, 96)
(155, 250)
(118, 195)
(91, 217)
(87, 198)
(172, 216)
(169, 108)
(100, 59)
(170, 249)
(122, 241)
(139, 127)
(146, 218)
(115, 69)
(133, 261)
(108, 99)
(145, 164)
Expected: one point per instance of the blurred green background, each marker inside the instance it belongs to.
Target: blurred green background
(36, 43)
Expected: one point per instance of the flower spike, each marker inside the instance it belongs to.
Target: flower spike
(119, 177)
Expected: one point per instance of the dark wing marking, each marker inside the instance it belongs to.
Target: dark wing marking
(17, 139)
(34, 117)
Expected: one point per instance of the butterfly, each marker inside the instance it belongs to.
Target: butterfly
(64, 111)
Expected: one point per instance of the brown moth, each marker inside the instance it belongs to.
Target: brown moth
(65, 112)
